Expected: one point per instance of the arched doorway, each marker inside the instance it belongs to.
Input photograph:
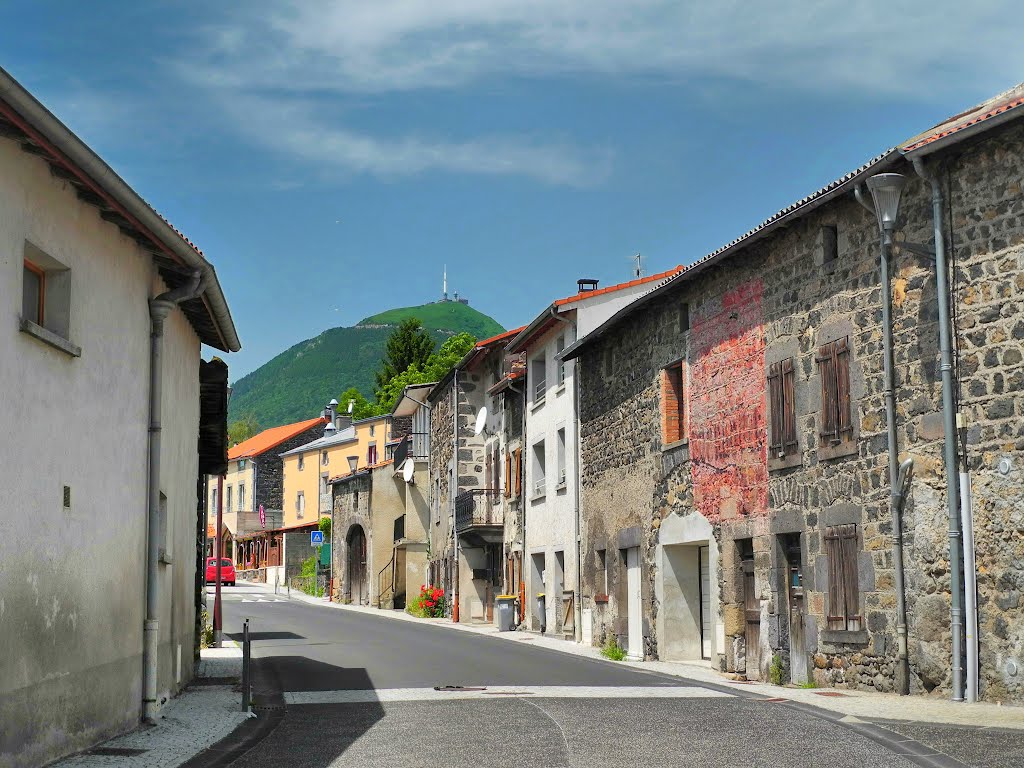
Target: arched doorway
(355, 566)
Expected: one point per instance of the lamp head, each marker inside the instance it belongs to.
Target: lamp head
(886, 189)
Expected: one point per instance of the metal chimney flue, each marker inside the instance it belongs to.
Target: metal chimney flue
(586, 284)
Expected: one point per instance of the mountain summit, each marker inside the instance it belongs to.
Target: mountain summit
(297, 383)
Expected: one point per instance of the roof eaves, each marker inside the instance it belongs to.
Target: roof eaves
(794, 211)
(985, 121)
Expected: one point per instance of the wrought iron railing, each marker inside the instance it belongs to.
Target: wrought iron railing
(478, 507)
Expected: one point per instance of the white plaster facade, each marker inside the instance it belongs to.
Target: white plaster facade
(74, 467)
(551, 552)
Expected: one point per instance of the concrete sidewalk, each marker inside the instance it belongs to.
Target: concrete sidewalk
(203, 714)
(853, 704)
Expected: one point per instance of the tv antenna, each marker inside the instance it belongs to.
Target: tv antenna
(638, 265)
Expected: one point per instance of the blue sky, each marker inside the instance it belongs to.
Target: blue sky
(329, 158)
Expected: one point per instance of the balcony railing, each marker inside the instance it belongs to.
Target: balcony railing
(479, 508)
(414, 445)
(540, 390)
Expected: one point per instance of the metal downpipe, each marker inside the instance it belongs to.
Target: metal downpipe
(949, 453)
(896, 491)
(159, 308)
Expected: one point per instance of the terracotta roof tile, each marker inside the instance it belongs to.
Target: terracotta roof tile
(997, 105)
(499, 337)
(620, 286)
(270, 438)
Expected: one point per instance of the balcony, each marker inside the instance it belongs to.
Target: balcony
(414, 445)
(479, 518)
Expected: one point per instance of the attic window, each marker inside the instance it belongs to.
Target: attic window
(684, 317)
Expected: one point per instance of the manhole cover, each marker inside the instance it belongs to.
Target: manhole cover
(833, 694)
(448, 688)
(116, 751)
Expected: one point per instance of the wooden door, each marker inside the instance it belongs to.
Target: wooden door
(752, 613)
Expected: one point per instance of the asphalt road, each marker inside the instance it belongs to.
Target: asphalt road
(358, 690)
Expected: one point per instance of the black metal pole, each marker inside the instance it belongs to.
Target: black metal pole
(246, 656)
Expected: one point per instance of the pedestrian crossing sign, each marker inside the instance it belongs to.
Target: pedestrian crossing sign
(316, 538)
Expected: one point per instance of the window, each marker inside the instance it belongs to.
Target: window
(829, 243)
(561, 457)
(302, 462)
(371, 454)
(672, 404)
(163, 532)
(496, 464)
(782, 401)
(324, 484)
(241, 496)
(324, 459)
(684, 318)
(834, 367)
(843, 586)
(227, 499)
(539, 480)
(488, 471)
(241, 464)
(213, 500)
(538, 379)
(46, 300)
(300, 504)
(559, 346)
(373, 428)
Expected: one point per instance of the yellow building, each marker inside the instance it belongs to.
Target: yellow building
(308, 468)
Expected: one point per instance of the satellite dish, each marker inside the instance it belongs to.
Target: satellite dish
(481, 420)
(408, 470)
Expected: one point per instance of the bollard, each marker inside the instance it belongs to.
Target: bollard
(246, 656)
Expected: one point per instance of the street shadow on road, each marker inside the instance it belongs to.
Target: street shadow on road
(254, 636)
(307, 736)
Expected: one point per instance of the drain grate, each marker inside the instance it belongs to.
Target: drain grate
(116, 751)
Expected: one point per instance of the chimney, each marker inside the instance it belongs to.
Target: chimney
(586, 284)
(331, 414)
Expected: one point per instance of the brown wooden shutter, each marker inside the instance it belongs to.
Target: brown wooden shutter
(518, 472)
(829, 394)
(844, 422)
(508, 475)
(851, 581)
(672, 403)
(789, 438)
(836, 600)
(776, 404)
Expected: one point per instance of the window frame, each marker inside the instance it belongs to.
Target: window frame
(40, 273)
(673, 411)
(300, 504)
(302, 462)
(837, 432)
(783, 433)
(539, 461)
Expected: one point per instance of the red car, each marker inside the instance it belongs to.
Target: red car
(227, 571)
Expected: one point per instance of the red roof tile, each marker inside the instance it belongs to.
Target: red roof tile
(269, 438)
(620, 286)
(997, 105)
(499, 337)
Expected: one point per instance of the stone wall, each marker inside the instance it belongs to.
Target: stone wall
(270, 469)
(351, 509)
(783, 297)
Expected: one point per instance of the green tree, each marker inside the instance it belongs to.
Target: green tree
(410, 344)
(241, 430)
(434, 369)
(361, 408)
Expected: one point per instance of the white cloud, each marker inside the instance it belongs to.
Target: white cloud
(383, 45)
(295, 128)
(292, 56)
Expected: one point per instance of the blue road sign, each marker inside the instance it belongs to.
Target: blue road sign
(316, 538)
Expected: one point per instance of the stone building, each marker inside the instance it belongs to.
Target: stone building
(734, 431)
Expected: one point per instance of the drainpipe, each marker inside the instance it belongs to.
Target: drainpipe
(159, 308)
(896, 493)
(949, 452)
(578, 534)
(452, 494)
(521, 615)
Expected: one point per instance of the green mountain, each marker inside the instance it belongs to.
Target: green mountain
(297, 383)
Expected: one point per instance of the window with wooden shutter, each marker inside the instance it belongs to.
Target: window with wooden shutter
(518, 461)
(672, 403)
(843, 583)
(834, 369)
(782, 440)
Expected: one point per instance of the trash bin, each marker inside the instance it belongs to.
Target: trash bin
(506, 613)
(542, 612)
